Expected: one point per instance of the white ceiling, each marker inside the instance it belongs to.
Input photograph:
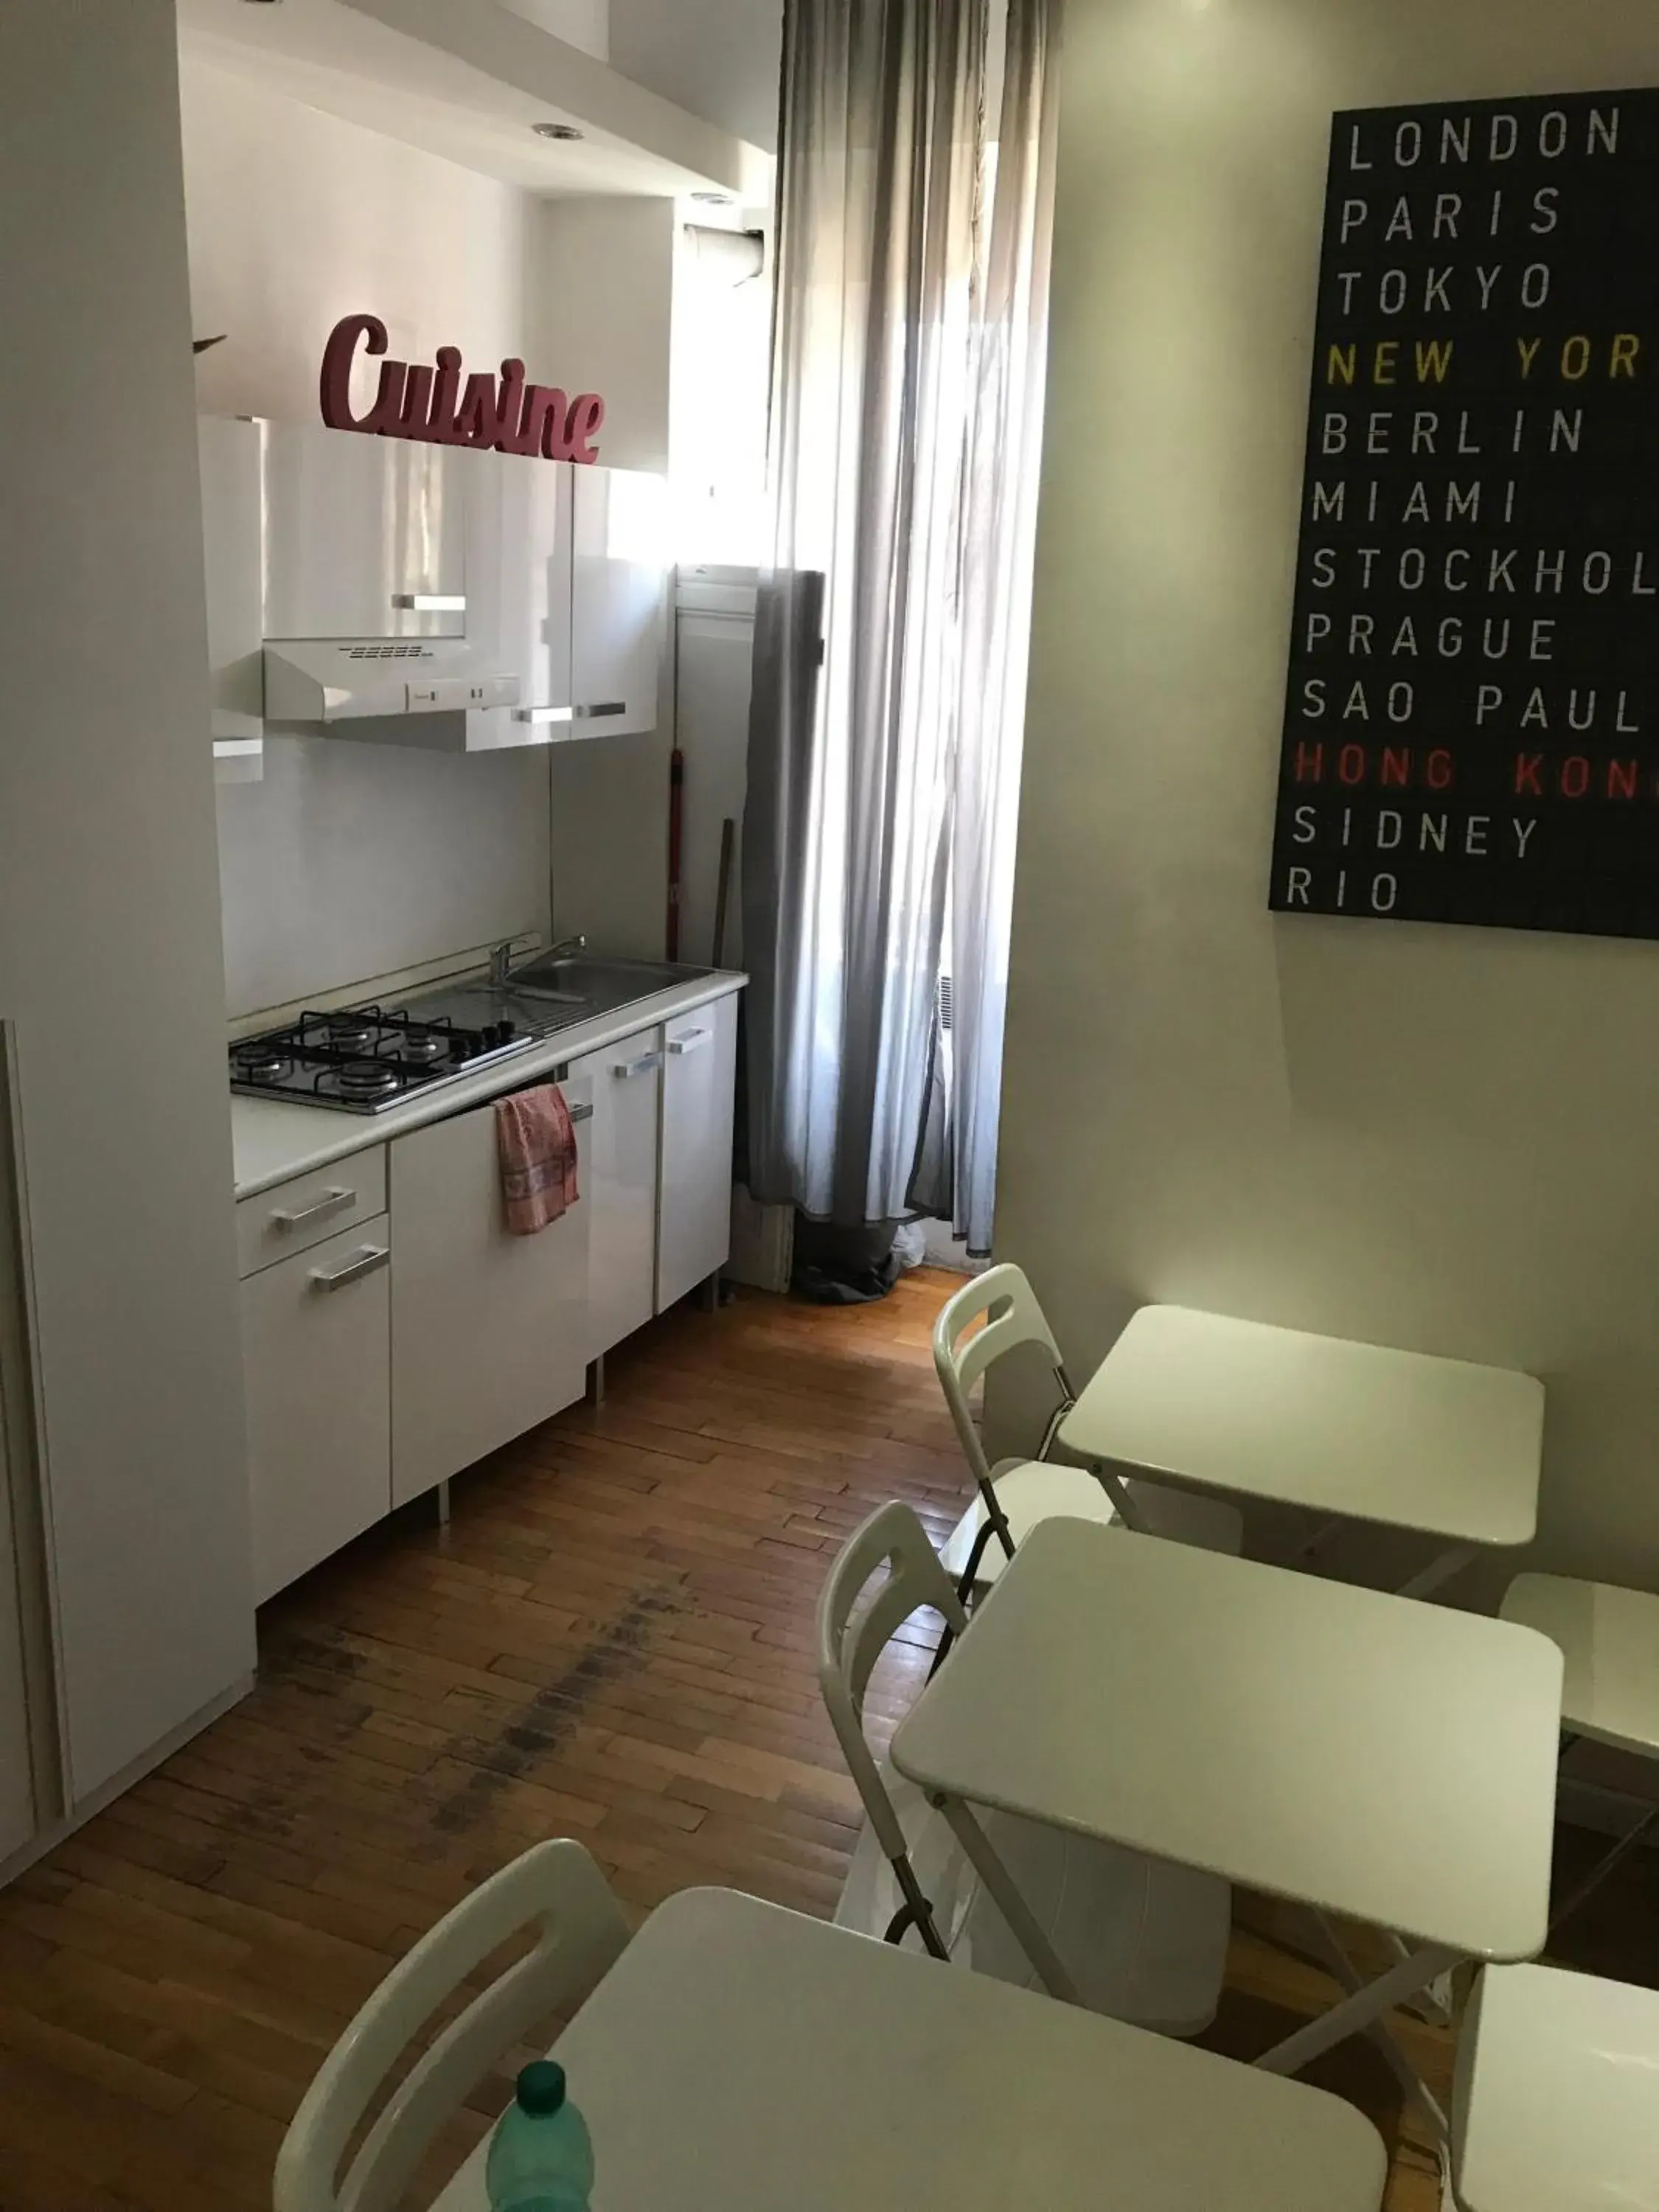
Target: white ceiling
(720, 58)
(472, 89)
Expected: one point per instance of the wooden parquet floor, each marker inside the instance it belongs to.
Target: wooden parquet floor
(612, 1640)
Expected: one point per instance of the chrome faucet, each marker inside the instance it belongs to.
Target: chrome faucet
(501, 957)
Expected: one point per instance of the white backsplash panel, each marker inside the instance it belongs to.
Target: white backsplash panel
(352, 861)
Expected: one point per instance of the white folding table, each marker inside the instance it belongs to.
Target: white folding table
(1351, 1432)
(1342, 1747)
(1558, 2095)
(741, 2058)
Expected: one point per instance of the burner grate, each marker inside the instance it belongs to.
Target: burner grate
(361, 1058)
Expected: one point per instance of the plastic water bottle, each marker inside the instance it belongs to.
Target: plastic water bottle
(541, 2156)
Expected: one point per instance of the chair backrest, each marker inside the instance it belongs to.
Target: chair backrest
(556, 1888)
(851, 1639)
(1008, 1305)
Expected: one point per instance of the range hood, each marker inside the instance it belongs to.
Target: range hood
(322, 682)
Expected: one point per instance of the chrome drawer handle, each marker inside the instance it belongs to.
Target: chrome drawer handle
(626, 1070)
(579, 1114)
(429, 602)
(599, 709)
(366, 1263)
(333, 1201)
(693, 1041)
(544, 715)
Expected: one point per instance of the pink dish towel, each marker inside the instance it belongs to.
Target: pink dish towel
(537, 1141)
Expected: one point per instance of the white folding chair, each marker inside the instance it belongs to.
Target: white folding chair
(1609, 1640)
(556, 1888)
(1016, 1494)
(1143, 1941)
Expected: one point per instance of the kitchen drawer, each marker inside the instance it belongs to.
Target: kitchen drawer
(298, 1214)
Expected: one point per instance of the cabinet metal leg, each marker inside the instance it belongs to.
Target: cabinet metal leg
(709, 1295)
(441, 1494)
(596, 1381)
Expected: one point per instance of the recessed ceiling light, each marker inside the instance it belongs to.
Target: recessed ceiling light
(555, 130)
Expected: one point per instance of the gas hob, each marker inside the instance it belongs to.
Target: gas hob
(362, 1059)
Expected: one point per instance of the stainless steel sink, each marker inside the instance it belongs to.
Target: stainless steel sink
(601, 985)
(545, 996)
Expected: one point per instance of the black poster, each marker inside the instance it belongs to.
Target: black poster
(1472, 723)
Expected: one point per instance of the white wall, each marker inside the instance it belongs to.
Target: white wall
(352, 862)
(109, 896)
(602, 285)
(1436, 1136)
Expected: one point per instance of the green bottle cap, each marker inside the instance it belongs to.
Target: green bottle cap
(541, 2088)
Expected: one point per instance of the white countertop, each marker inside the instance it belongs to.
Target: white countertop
(272, 1141)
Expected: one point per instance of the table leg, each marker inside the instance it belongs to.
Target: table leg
(1007, 1899)
(1439, 1570)
(1603, 1866)
(1361, 2010)
(1112, 1483)
(1316, 1543)
(1336, 1958)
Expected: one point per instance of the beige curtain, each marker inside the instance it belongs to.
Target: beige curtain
(901, 394)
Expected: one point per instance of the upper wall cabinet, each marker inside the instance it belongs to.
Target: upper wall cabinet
(575, 559)
(618, 603)
(523, 541)
(364, 537)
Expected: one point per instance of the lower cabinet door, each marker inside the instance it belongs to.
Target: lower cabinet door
(621, 1189)
(698, 1077)
(316, 1341)
(488, 1331)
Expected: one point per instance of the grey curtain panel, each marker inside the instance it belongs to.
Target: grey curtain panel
(884, 734)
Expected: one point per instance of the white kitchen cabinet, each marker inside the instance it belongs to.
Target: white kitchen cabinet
(524, 546)
(694, 1232)
(621, 1188)
(364, 537)
(488, 1330)
(618, 600)
(316, 1334)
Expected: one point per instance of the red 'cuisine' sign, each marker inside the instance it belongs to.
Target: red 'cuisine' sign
(437, 407)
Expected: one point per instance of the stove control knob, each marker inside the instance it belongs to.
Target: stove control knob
(460, 1049)
(507, 1031)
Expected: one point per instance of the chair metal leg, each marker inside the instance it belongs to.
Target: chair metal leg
(915, 1912)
